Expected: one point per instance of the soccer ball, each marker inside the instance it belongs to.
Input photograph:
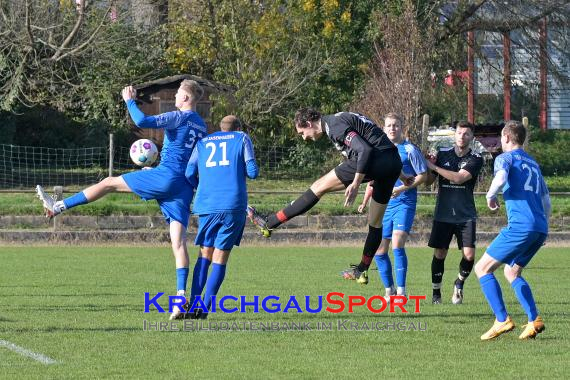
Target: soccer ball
(143, 152)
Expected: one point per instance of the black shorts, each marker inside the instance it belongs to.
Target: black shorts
(384, 169)
(442, 232)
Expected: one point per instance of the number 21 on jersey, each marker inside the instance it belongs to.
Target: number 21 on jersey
(221, 147)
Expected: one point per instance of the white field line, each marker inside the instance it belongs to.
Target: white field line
(25, 352)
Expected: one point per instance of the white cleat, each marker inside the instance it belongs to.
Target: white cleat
(48, 202)
(177, 312)
(457, 297)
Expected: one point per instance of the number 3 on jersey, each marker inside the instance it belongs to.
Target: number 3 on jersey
(211, 162)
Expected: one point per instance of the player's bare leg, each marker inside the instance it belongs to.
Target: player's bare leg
(180, 252)
(90, 194)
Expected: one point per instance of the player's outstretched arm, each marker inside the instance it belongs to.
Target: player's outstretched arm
(139, 118)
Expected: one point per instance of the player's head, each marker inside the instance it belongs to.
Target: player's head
(308, 123)
(230, 123)
(463, 134)
(188, 94)
(512, 135)
(394, 127)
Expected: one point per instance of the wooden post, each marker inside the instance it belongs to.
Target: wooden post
(543, 119)
(506, 76)
(471, 79)
(525, 125)
(425, 126)
(111, 154)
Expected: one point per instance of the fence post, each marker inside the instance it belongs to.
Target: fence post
(425, 126)
(58, 193)
(111, 154)
(525, 125)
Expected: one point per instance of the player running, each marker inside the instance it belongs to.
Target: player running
(399, 215)
(165, 183)
(218, 168)
(370, 156)
(528, 208)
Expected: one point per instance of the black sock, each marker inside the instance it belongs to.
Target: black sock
(465, 268)
(371, 245)
(301, 205)
(437, 269)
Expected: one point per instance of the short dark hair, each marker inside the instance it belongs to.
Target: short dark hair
(303, 115)
(465, 124)
(516, 131)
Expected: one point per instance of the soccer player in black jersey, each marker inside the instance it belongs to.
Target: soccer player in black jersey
(457, 168)
(369, 156)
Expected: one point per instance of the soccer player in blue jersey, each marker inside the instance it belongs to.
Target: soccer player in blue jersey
(399, 215)
(218, 168)
(528, 207)
(165, 183)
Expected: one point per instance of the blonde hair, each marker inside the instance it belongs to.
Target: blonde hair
(394, 116)
(192, 88)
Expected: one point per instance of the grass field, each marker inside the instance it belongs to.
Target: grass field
(83, 307)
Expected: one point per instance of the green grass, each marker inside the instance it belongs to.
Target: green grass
(330, 204)
(83, 306)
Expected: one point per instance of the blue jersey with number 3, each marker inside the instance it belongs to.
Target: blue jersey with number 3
(523, 191)
(219, 162)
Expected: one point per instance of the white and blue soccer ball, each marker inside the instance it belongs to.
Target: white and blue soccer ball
(144, 152)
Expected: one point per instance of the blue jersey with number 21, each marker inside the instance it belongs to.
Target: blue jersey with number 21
(523, 191)
(219, 163)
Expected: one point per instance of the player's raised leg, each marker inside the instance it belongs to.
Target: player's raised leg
(90, 194)
(329, 182)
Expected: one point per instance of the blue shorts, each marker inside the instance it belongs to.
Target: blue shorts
(399, 216)
(170, 189)
(220, 230)
(516, 247)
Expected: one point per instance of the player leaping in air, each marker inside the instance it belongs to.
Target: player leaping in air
(166, 183)
(370, 156)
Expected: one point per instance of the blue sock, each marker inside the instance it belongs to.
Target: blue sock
(181, 278)
(524, 295)
(385, 269)
(75, 200)
(401, 266)
(215, 280)
(492, 291)
(199, 277)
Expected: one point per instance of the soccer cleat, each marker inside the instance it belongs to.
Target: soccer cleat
(177, 312)
(354, 274)
(498, 329)
(436, 299)
(457, 297)
(48, 202)
(259, 220)
(532, 329)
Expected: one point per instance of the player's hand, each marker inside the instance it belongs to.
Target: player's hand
(408, 180)
(129, 93)
(397, 191)
(350, 194)
(431, 158)
(361, 208)
(493, 204)
(431, 165)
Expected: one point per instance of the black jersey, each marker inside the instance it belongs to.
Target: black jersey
(343, 126)
(455, 203)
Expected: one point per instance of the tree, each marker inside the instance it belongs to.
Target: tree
(73, 56)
